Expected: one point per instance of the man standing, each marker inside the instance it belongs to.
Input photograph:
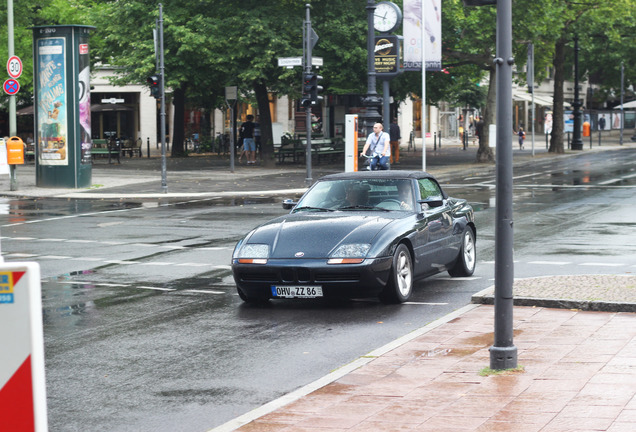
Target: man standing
(249, 146)
(394, 134)
(378, 142)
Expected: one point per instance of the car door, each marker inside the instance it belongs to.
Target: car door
(434, 227)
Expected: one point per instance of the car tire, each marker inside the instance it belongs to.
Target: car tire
(467, 258)
(400, 285)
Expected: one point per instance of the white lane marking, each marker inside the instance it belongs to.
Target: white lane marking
(23, 238)
(155, 288)
(121, 262)
(21, 255)
(468, 278)
(188, 264)
(559, 263)
(602, 264)
(87, 259)
(156, 263)
(203, 291)
(55, 257)
(80, 241)
(424, 303)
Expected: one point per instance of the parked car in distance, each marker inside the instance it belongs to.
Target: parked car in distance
(357, 235)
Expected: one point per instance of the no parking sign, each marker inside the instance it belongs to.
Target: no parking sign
(22, 385)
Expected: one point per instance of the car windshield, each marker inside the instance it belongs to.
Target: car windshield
(362, 194)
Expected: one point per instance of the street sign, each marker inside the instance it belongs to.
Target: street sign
(316, 61)
(11, 86)
(14, 67)
(290, 61)
(231, 93)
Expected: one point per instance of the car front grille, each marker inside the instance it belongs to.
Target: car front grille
(299, 275)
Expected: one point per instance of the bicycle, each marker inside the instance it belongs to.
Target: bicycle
(368, 160)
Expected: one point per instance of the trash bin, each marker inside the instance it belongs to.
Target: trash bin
(15, 151)
(586, 129)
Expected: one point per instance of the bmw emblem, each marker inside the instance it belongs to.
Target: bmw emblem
(299, 254)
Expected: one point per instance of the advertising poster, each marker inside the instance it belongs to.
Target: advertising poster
(413, 34)
(52, 104)
(84, 103)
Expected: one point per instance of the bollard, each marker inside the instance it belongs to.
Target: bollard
(440, 139)
(434, 141)
(569, 145)
(547, 143)
(599, 137)
(148, 147)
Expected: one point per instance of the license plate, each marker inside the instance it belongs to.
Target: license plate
(297, 291)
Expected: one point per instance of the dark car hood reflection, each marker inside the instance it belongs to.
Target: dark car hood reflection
(313, 233)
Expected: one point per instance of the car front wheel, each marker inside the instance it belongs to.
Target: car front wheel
(400, 284)
(465, 264)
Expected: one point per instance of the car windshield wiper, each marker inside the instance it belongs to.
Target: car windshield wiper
(313, 208)
(362, 207)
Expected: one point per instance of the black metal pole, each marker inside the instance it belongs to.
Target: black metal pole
(308, 65)
(162, 71)
(503, 354)
(577, 142)
(372, 101)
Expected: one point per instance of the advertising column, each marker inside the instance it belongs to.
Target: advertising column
(62, 106)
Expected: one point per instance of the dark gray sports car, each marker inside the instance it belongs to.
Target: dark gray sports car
(358, 234)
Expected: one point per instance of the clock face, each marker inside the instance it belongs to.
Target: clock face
(387, 17)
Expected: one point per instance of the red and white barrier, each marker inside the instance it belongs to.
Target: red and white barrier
(22, 383)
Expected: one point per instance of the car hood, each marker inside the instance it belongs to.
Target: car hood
(316, 235)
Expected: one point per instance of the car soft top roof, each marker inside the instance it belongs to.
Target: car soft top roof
(359, 175)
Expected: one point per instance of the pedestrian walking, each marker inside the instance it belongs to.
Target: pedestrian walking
(249, 146)
(522, 136)
(395, 137)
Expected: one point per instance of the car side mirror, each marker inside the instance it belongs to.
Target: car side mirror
(289, 204)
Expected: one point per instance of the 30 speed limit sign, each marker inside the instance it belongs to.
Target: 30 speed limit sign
(14, 67)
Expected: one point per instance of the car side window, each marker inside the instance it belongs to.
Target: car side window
(429, 189)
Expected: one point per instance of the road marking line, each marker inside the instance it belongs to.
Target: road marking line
(602, 264)
(187, 264)
(203, 291)
(121, 262)
(156, 263)
(23, 238)
(55, 257)
(155, 288)
(425, 303)
(21, 255)
(87, 259)
(79, 241)
(549, 262)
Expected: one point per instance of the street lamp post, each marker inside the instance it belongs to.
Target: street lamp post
(372, 101)
(577, 142)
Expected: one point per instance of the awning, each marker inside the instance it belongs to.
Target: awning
(25, 111)
(109, 108)
(538, 100)
(626, 105)
(94, 109)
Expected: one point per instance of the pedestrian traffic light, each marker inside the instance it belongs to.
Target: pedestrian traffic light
(306, 99)
(155, 86)
(315, 88)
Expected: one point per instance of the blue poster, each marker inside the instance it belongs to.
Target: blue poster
(52, 104)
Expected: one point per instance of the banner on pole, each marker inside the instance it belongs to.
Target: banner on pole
(413, 34)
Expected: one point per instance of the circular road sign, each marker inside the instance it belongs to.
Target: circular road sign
(11, 86)
(14, 67)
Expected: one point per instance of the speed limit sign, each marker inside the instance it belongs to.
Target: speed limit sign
(14, 67)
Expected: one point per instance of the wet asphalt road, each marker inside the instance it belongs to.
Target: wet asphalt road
(143, 329)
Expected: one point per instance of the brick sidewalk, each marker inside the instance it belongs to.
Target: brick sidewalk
(579, 374)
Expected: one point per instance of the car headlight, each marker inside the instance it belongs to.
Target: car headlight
(352, 253)
(253, 254)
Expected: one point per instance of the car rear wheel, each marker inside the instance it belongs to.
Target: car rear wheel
(465, 264)
(400, 284)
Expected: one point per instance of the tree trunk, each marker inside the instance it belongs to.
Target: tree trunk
(178, 131)
(265, 122)
(485, 153)
(556, 139)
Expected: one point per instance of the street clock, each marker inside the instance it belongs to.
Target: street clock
(387, 17)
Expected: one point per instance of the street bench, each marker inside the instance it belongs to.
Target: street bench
(105, 147)
(321, 148)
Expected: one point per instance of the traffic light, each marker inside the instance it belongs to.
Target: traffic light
(315, 88)
(311, 89)
(155, 86)
(306, 99)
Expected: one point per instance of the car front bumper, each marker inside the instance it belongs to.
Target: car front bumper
(366, 279)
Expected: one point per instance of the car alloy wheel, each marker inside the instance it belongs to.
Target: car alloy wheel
(465, 264)
(400, 285)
